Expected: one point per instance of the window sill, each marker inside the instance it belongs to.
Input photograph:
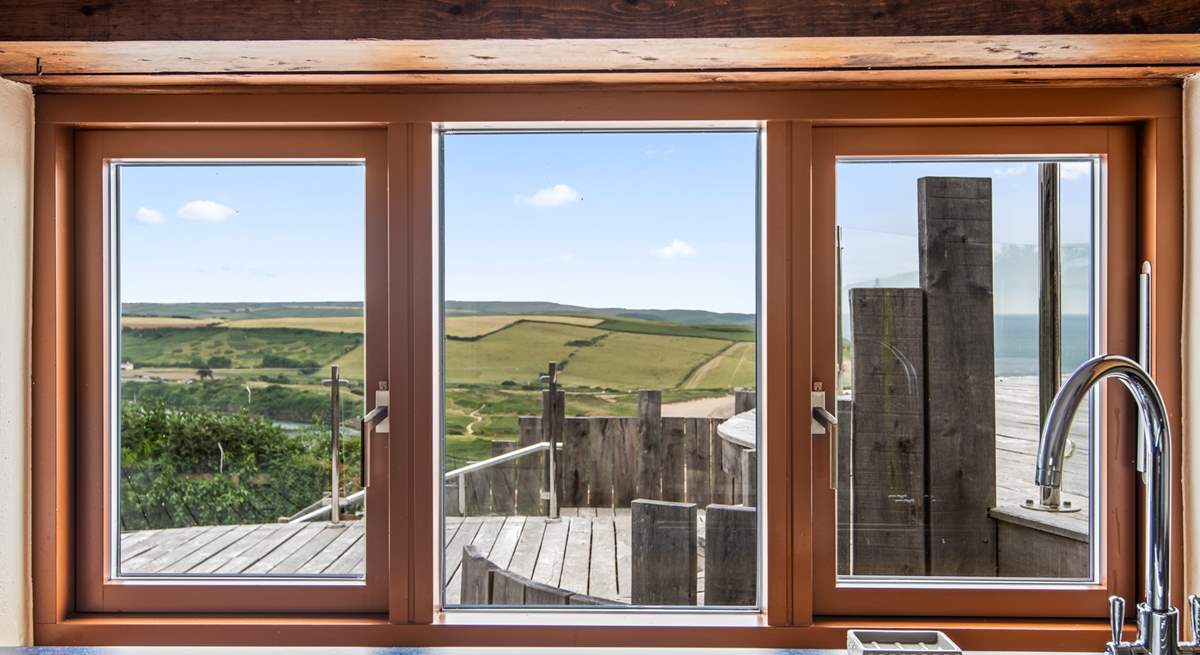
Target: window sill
(552, 629)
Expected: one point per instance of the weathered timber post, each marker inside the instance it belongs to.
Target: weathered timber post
(744, 399)
(530, 468)
(888, 512)
(553, 416)
(649, 465)
(845, 483)
(453, 489)
(508, 588)
(955, 237)
(663, 551)
(730, 555)
(476, 577)
(502, 478)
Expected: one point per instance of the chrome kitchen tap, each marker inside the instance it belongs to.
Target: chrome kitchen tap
(1157, 621)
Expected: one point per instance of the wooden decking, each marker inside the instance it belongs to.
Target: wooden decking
(274, 549)
(587, 550)
(1017, 436)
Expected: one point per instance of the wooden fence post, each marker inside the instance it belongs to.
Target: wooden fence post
(503, 479)
(845, 473)
(663, 553)
(889, 510)
(453, 487)
(476, 577)
(730, 555)
(699, 477)
(674, 458)
(553, 417)
(649, 474)
(529, 468)
(744, 399)
(955, 236)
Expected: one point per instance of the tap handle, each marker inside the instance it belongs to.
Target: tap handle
(1116, 617)
(1193, 603)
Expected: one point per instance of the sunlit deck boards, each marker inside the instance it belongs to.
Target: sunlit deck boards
(587, 550)
(273, 549)
(1017, 436)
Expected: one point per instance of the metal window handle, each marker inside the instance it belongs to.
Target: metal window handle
(824, 417)
(372, 418)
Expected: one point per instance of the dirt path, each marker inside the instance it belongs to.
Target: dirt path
(719, 407)
(476, 419)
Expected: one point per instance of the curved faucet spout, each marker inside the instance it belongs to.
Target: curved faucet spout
(1157, 476)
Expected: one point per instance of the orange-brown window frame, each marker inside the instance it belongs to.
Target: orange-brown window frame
(95, 151)
(1117, 290)
(794, 614)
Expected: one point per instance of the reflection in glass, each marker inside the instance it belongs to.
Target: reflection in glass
(939, 368)
(230, 318)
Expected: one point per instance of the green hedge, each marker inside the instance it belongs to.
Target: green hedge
(184, 467)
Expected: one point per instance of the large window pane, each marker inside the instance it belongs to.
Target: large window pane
(600, 292)
(240, 287)
(940, 275)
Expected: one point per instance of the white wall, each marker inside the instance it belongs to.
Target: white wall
(16, 190)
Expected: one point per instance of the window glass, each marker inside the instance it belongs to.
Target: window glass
(600, 294)
(240, 296)
(939, 398)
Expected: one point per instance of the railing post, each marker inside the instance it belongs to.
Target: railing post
(335, 383)
(552, 418)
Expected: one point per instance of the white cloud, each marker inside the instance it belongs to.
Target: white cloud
(206, 210)
(554, 196)
(1011, 171)
(1073, 170)
(147, 215)
(677, 248)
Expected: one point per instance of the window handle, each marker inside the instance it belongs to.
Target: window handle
(824, 417)
(365, 425)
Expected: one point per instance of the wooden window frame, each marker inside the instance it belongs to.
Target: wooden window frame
(1117, 304)
(97, 590)
(794, 616)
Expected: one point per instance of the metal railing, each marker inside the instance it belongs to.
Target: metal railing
(476, 467)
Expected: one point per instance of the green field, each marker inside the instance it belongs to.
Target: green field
(225, 347)
(734, 367)
(269, 360)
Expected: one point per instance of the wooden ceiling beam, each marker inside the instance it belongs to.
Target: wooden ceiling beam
(205, 20)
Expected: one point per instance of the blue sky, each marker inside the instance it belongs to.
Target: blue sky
(639, 220)
(241, 233)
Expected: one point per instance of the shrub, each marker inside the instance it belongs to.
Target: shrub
(198, 467)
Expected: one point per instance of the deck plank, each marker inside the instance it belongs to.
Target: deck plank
(602, 580)
(550, 559)
(291, 564)
(279, 550)
(207, 551)
(577, 556)
(336, 548)
(622, 523)
(529, 545)
(506, 541)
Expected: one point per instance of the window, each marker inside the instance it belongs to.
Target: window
(965, 278)
(600, 293)
(240, 314)
(694, 265)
